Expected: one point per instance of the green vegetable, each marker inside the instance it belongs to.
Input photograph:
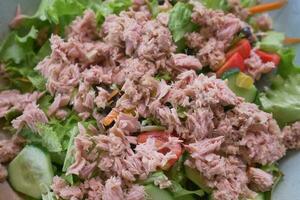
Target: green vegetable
(178, 191)
(277, 174)
(248, 94)
(48, 196)
(272, 42)
(31, 172)
(70, 156)
(154, 193)
(153, 7)
(286, 65)
(196, 177)
(248, 3)
(180, 23)
(216, 4)
(283, 101)
(181, 111)
(230, 73)
(16, 48)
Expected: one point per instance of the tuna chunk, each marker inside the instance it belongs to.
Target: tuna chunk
(291, 136)
(113, 189)
(260, 180)
(9, 148)
(185, 61)
(256, 67)
(31, 116)
(14, 100)
(83, 28)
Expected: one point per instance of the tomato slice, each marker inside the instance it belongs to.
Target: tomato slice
(162, 137)
(235, 61)
(268, 57)
(243, 47)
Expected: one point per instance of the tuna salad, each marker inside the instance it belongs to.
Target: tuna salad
(147, 100)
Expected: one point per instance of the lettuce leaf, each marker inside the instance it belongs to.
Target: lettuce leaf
(283, 101)
(216, 4)
(180, 21)
(272, 42)
(18, 49)
(178, 191)
(69, 155)
(286, 65)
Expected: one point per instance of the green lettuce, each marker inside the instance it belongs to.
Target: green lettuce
(216, 4)
(180, 23)
(272, 42)
(283, 101)
(287, 65)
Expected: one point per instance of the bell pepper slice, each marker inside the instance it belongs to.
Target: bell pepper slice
(268, 57)
(243, 47)
(235, 61)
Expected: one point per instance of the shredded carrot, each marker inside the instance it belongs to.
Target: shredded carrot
(112, 116)
(113, 93)
(265, 7)
(290, 40)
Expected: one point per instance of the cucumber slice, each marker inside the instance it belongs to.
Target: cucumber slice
(154, 193)
(196, 177)
(248, 94)
(230, 72)
(31, 172)
(259, 196)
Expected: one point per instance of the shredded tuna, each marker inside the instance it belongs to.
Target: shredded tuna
(9, 148)
(31, 116)
(13, 100)
(260, 180)
(256, 67)
(113, 189)
(62, 190)
(136, 192)
(185, 61)
(263, 22)
(237, 9)
(3, 173)
(59, 101)
(291, 136)
(84, 28)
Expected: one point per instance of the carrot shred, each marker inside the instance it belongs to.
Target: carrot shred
(265, 7)
(290, 40)
(113, 93)
(112, 116)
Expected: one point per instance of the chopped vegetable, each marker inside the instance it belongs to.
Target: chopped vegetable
(268, 57)
(248, 91)
(230, 73)
(196, 177)
(286, 65)
(243, 47)
(154, 193)
(244, 81)
(152, 128)
(31, 172)
(267, 7)
(235, 61)
(112, 116)
(272, 42)
(283, 101)
(290, 40)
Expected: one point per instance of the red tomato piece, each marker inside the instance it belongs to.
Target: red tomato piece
(235, 61)
(268, 57)
(162, 137)
(243, 47)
